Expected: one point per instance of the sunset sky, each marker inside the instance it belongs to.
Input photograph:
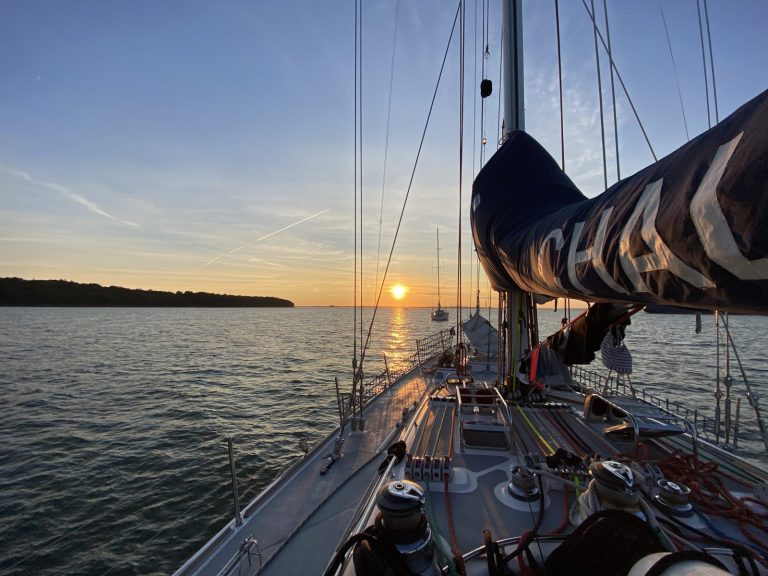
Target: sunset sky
(208, 146)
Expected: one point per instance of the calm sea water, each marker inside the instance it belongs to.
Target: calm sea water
(113, 421)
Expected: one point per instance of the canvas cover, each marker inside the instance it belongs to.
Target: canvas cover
(481, 335)
(691, 229)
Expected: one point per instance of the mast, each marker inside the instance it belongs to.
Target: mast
(516, 303)
(439, 306)
(512, 61)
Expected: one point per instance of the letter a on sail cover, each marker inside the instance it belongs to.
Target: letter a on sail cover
(713, 228)
(660, 257)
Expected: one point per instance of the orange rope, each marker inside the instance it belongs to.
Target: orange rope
(458, 558)
(711, 495)
(560, 529)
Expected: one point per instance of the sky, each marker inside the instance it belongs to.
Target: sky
(209, 146)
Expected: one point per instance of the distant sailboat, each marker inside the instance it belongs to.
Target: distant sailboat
(439, 314)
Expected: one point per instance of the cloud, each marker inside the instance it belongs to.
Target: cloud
(67, 193)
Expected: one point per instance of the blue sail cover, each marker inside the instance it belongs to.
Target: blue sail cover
(690, 230)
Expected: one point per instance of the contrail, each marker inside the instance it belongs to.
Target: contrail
(220, 256)
(67, 193)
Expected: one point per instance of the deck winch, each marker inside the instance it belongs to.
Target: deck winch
(404, 523)
(672, 497)
(613, 486)
(616, 484)
(522, 486)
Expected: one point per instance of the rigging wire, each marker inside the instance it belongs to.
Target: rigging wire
(499, 121)
(560, 85)
(674, 67)
(462, 33)
(474, 97)
(360, 176)
(354, 274)
(474, 119)
(386, 141)
(613, 92)
(483, 57)
(704, 64)
(711, 62)
(621, 81)
(600, 98)
(410, 185)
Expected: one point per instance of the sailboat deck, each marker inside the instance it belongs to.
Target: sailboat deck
(549, 437)
(299, 520)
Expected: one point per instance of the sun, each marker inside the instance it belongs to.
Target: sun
(398, 291)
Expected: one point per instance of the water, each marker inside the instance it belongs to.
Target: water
(113, 421)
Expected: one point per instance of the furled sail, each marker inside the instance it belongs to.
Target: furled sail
(689, 230)
(482, 336)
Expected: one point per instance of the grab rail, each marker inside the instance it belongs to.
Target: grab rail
(426, 349)
(590, 381)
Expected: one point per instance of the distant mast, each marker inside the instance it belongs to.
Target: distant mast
(437, 249)
(439, 315)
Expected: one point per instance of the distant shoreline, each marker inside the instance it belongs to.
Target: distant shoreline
(63, 293)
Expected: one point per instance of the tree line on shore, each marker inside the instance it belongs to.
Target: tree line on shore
(20, 292)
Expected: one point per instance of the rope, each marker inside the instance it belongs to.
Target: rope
(711, 495)
(438, 538)
(699, 536)
(566, 520)
(458, 558)
(534, 430)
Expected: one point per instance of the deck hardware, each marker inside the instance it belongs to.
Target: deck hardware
(238, 516)
(523, 485)
(673, 497)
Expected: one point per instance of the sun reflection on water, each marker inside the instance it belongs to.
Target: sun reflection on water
(398, 344)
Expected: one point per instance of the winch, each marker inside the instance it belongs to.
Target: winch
(615, 484)
(522, 486)
(404, 523)
(672, 497)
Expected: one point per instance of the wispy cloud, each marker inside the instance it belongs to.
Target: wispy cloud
(67, 193)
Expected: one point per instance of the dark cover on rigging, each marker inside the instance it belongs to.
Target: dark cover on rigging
(689, 230)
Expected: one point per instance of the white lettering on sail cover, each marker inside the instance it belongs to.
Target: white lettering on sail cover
(660, 257)
(592, 255)
(711, 225)
(557, 236)
(713, 229)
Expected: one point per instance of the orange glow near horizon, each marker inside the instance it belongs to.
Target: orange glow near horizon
(398, 291)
